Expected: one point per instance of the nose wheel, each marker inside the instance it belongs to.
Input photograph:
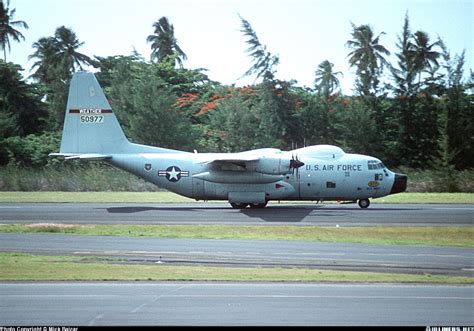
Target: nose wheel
(364, 203)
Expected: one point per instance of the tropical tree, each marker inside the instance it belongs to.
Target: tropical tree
(45, 53)
(163, 42)
(21, 109)
(22, 115)
(67, 44)
(57, 59)
(414, 108)
(326, 81)
(58, 56)
(233, 118)
(404, 75)
(457, 122)
(425, 58)
(367, 56)
(264, 62)
(7, 27)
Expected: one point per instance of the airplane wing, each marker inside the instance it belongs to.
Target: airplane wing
(87, 157)
(221, 160)
(269, 161)
(238, 158)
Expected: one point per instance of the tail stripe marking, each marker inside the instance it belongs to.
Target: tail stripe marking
(90, 111)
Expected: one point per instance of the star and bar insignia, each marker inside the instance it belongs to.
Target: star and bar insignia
(173, 173)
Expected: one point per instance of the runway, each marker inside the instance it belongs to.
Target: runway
(250, 253)
(234, 304)
(222, 213)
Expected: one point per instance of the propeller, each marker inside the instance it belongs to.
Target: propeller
(295, 164)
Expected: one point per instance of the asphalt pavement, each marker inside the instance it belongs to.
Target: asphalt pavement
(215, 303)
(222, 213)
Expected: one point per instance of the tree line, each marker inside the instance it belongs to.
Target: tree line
(417, 112)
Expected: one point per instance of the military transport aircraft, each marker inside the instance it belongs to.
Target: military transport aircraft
(252, 178)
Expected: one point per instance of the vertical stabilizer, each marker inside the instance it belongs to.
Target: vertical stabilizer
(90, 126)
(91, 129)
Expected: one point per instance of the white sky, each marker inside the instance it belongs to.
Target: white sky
(302, 32)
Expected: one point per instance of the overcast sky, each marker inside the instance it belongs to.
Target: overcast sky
(302, 32)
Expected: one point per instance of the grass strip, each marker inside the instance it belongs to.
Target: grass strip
(428, 198)
(26, 267)
(169, 197)
(428, 236)
(92, 197)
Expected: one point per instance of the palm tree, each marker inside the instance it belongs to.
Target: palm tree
(326, 81)
(45, 53)
(425, 58)
(58, 56)
(367, 56)
(7, 25)
(163, 42)
(66, 48)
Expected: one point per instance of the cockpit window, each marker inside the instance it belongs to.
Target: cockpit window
(375, 165)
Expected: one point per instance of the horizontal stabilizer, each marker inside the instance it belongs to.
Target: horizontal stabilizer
(86, 157)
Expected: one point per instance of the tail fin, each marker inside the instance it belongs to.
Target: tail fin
(90, 126)
(91, 130)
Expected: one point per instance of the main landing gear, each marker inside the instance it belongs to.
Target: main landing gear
(364, 203)
(244, 205)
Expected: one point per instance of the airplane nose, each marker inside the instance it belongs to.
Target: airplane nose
(399, 184)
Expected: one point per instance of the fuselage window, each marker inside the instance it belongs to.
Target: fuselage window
(375, 165)
(371, 165)
(331, 184)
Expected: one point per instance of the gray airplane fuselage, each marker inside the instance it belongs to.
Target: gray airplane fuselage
(333, 176)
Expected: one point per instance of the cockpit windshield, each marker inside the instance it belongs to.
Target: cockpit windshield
(375, 165)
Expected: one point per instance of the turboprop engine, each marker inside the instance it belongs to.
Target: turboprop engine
(275, 165)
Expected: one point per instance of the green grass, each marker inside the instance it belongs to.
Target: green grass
(428, 236)
(449, 198)
(25, 267)
(93, 197)
(168, 197)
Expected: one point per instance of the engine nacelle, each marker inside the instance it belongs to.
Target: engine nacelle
(272, 166)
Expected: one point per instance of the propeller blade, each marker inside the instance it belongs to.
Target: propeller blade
(295, 163)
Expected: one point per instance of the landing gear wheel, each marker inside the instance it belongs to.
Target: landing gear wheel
(238, 205)
(364, 203)
(258, 205)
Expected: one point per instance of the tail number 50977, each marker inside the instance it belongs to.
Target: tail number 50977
(92, 119)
